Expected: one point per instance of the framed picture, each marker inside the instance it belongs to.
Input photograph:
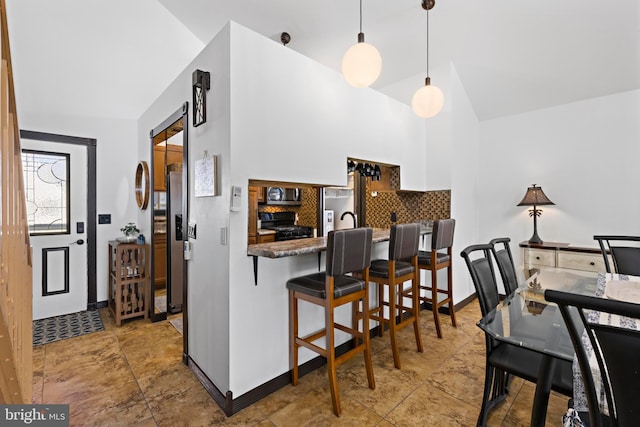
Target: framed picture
(206, 176)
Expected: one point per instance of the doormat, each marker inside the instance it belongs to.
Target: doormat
(177, 323)
(66, 326)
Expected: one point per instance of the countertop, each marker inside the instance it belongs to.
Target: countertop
(309, 246)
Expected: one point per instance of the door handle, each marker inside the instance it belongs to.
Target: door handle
(77, 242)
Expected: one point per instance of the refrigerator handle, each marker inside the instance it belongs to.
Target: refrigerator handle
(179, 227)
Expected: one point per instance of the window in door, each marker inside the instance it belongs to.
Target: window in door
(47, 191)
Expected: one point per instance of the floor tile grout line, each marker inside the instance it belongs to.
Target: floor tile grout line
(465, 345)
(144, 396)
(424, 382)
(44, 364)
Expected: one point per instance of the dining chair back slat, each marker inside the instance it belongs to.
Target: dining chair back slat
(483, 276)
(502, 253)
(625, 253)
(615, 348)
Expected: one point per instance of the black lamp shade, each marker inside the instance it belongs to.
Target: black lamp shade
(535, 197)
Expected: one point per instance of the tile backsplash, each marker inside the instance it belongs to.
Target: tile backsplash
(408, 206)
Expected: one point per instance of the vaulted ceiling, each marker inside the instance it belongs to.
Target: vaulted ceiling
(113, 58)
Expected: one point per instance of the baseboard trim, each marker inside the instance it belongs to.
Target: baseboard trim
(458, 306)
(223, 400)
(231, 405)
(96, 305)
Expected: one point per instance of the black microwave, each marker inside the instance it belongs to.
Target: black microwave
(284, 196)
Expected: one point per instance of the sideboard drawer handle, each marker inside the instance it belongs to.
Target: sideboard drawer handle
(537, 257)
(592, 263)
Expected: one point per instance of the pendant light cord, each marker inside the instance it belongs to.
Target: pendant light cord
(427, 42)
(360, 15)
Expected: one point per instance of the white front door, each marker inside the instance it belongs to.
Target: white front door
(55, 179)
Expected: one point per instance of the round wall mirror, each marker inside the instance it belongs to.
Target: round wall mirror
(142, 185)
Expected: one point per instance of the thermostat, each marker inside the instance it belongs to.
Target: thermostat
(236, 198)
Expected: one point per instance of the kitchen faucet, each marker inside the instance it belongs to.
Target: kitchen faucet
(355, 218)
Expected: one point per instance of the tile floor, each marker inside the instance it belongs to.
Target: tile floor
(133, 375)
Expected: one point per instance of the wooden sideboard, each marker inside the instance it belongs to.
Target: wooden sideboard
(561, 255)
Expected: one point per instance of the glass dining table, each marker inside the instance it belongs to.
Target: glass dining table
(526, 319)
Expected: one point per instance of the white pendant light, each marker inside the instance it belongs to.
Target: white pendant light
(361, 63)
(428, 100)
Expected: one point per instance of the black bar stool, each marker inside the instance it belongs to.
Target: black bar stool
(442, 238)
(348, 251)
(403, 246)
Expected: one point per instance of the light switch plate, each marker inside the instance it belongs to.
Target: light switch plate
(191, 230)
(223, 236)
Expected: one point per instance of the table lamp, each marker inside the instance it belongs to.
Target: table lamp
(535, 197)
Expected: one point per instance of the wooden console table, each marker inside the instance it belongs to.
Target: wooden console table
(129, 290)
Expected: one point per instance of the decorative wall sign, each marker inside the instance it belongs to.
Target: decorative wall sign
(206, 176)
(201, 83)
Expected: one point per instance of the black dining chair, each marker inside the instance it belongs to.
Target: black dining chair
(625, 253)
(503, 359)
(616, 350)
(502, 253)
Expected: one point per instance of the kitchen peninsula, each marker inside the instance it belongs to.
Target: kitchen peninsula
(296, 247)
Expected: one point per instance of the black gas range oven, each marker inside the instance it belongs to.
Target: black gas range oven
(284, 225)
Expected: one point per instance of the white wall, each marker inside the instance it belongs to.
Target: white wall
(293, 119)
(208, 270)
(439, 160)
(117, 159)
(464, 183)
(585, 157)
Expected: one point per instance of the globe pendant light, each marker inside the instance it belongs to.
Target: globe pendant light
(428, 100)
(361, 63)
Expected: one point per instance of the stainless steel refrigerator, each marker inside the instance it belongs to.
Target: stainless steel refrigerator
(175, 237)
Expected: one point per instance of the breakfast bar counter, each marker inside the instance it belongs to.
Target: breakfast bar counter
(302, 246)
(287, 248)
